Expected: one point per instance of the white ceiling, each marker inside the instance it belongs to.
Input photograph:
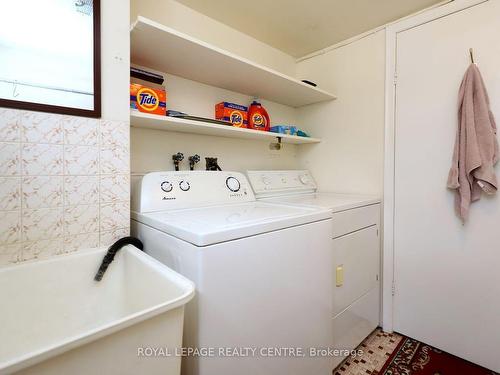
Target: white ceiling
(299, 27)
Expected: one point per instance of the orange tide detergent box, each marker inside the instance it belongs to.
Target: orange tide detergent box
(148, 100)
(234, 113)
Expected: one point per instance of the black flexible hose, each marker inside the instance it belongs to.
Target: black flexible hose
(112, 250)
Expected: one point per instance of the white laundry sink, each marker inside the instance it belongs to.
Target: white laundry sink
(55, 319)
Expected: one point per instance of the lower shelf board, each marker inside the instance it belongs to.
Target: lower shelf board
(144, 120)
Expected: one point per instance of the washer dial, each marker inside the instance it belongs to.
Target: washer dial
(184, 185)
(166, 186)
(233, 184)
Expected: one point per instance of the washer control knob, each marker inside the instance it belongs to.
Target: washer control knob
(304, 179)
(233, 184)
(166, 186)
(184, 185)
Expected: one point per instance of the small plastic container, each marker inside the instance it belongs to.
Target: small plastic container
(284, 129)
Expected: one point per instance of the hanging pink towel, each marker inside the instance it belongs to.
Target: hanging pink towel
(476, 145)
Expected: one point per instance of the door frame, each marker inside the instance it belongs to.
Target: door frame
(392, 31)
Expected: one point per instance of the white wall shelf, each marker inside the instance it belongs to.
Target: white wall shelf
(167, 50)
(144, 120)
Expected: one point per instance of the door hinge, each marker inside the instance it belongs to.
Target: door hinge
(395, 78)
(393, 289)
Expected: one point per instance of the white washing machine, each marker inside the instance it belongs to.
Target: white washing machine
(262, 271)
(354, 243)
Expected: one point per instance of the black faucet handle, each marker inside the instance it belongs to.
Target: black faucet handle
(193, 160)
(178, 157)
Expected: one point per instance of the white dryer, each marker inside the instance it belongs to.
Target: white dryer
(262, 271)
(354, 243)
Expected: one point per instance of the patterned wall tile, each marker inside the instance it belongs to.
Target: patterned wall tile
(115, 188)
(81, 160)
(10, 131)
(81, 242)
(81, 219)
(64, 184)
(42, 249)
(115, 133)
(10, 193)
(42, 224)
(10, 254)
(42, 159)
(81, 131)
(115, 160)
(10, 159)
(81, 190)
(10, 227)
(42, 191)
(38, 127)
(109, 237)
(115, 216)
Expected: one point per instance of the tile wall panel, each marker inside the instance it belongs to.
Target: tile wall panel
(64, 184)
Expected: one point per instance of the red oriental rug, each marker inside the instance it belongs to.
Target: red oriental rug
(395, 354)
(412, 357)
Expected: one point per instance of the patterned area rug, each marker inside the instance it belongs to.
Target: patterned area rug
(394, 354)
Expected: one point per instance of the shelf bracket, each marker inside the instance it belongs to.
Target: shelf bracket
(277, 145)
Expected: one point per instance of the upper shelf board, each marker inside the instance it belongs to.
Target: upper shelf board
(167, 50)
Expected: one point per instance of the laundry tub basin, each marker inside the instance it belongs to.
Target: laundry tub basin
(55, 319)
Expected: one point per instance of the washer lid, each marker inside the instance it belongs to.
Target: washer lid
(209, 225)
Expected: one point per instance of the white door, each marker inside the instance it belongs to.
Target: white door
(447, 276)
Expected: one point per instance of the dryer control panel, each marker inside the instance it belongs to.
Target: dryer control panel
(159, 191)
(276, 183)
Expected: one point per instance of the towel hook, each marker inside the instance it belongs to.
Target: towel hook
(471, 52)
